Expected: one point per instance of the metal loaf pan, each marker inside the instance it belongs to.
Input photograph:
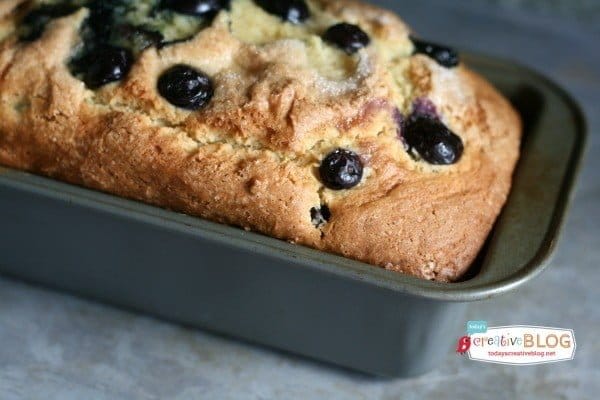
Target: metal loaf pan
(289, 297)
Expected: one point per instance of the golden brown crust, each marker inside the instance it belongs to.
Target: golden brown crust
(250, 158)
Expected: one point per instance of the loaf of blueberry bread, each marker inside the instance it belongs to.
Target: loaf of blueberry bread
(320, 122)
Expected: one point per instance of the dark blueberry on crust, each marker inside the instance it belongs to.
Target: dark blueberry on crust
(347, 37)
(433, 141)
(294, 11)
(185, 87)
(445, 56)
(34, 23)
(106, 64)
(320, 215)
(199, 8)
(341, 169)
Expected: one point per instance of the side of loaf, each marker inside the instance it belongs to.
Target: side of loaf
(323, 123)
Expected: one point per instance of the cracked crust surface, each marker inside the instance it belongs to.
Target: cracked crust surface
(283, 100)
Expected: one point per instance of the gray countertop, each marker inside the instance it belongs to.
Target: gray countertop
(57, 346)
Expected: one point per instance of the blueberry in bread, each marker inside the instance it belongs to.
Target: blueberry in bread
(185, 87)
(341, 169)
(294, 11)
(432, 141)
(198, 8)
(445, 56)
(324, 123)
(347, 37)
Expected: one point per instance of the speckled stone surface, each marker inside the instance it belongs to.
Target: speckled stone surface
(54, 346)
(585, 11)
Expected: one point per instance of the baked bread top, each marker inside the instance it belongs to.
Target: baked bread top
(324, 123)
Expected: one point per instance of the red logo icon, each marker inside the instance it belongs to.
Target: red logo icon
(464, 344)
